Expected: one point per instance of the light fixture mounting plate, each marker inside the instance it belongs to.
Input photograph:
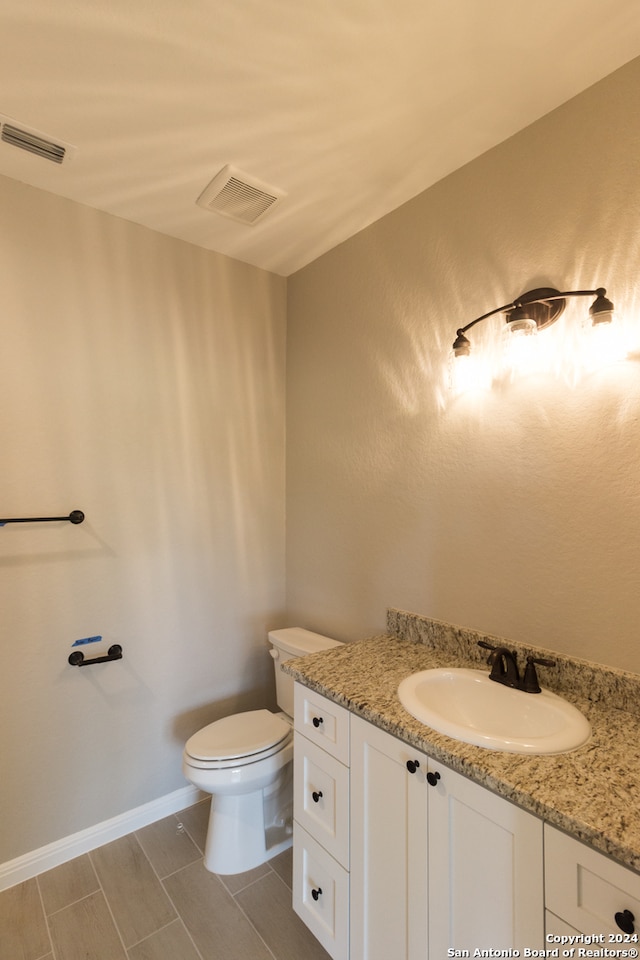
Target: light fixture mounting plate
(542, 310)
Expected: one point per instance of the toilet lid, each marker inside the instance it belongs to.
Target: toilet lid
(239, 735)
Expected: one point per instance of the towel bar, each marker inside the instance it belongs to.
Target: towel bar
(76, 516)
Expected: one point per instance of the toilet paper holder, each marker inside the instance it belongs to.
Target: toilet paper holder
(77, 658)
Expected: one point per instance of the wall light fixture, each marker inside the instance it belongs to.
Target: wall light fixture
(525, 317)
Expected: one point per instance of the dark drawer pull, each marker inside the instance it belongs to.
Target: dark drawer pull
(412, 765)
(625, 921)
(317, 721)
(316, 893)
(317, 795)
(432, 778)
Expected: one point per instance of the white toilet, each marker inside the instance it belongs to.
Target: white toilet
(245, 762)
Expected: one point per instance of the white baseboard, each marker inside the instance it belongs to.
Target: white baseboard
(53, 854)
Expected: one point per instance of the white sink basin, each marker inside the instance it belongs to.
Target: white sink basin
(468, 706)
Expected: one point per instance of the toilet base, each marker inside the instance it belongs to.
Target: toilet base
(248, 829)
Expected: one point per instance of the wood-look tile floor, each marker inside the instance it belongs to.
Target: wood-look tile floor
(148, 896)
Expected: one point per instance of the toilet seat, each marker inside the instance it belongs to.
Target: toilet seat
(240, 738)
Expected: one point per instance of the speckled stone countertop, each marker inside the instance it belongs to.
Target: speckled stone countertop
(591, 792)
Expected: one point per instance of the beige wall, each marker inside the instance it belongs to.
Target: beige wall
(142, 382)
(517, 513)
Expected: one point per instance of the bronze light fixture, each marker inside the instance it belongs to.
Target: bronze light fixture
(535, 310)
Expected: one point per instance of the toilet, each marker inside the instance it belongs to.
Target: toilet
(245, 762)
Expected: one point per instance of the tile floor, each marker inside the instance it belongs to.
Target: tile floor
(147, 896)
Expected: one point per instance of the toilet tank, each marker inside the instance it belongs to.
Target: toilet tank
(293, 642)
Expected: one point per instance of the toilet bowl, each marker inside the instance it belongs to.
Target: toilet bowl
(245, 762)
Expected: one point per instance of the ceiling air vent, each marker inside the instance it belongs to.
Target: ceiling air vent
(234, 194)
(34, 141)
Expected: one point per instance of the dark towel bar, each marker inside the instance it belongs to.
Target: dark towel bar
(76, 516)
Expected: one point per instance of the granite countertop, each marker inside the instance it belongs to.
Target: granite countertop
(591, 792)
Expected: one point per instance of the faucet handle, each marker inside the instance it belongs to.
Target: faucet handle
(530, 680)
(488, 646)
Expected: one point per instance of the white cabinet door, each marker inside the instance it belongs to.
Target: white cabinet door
(388, 847)
(438, 863)
(485, 870)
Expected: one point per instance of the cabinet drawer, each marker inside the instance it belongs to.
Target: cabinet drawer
(585, 888)
(321, 893)
(323, 722)
(321, 797)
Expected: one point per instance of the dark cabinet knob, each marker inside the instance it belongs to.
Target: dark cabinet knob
(412, 765)
(317, 721)
(316, 892)
(625, 919)
(432, 778)
(317, 794)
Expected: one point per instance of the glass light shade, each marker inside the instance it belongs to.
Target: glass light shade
(521, 349)
(467, 373)
(603, 341)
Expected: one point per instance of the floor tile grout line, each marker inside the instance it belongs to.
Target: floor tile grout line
(282, 880)
(186, 928)
(251, 923)
(153, 867)
(186, 829)
(74, 903)
(233, 898)
(178, 869)
(106, 900)
(176, 919)
(235, 893)
(147, 857)
(52, 949)
(178, 915)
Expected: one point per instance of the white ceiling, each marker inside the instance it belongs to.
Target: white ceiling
(350, 106)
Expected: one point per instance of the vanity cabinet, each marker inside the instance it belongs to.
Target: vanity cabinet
(437, 861)
(321, 819)
(587, 893)
(398, 856)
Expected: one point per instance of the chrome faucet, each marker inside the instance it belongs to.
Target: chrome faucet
(504, 668)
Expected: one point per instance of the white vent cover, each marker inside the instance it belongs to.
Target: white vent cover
(234, 194)
(34, 141)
